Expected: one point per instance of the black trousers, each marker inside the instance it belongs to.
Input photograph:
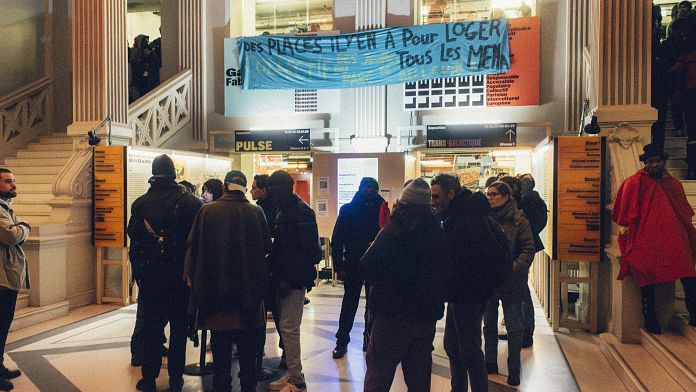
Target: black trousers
(271, 305)
(648, 295)
(162, 304)
(349, 306)
(221, 343)
(8, 301)
(136, 343)
(462, 344)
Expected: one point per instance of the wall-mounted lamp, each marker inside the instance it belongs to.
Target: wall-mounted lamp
(592, 128)
(92, 136)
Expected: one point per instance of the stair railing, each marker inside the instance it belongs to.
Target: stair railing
(160, 114)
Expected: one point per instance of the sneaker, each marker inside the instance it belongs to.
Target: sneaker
(295, 388)
(5, 385)
(514, 378)
(280, 383)
(146, 385)
(8, 374)
(491, 368)
(340, 351)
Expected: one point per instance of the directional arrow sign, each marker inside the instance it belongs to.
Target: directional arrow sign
(511, 133)
(275, 140)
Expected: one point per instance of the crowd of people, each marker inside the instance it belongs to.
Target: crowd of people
(144, 63)
(674, 77)
(221, 263)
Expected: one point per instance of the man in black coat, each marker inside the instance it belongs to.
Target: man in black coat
(162, 217)
(464, 217)
(293, 257)
(356, 227)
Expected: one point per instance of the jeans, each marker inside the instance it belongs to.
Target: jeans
(514, 323)
(291, 304)
(349, 306)
(221, 344)
(162, 304)
(394, 341)
(462, 344)
(8, 302)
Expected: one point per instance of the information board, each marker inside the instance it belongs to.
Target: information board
(471, 135)
(109, 196)
(276, 140)
(350, 172)
(578, 201)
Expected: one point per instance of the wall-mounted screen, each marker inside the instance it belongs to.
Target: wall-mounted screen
(350, 172)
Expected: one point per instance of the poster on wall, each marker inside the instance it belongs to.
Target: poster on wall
(578, 201)
(517, 87)
(240, 102)
(350, 172)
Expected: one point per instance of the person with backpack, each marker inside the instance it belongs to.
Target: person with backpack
(479, 265)
(158, 228)
(520, 241)
(405, 266)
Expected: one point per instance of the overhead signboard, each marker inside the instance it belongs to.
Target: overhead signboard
(109, 196)
(276, 140)
(471, 135)
(578, 202)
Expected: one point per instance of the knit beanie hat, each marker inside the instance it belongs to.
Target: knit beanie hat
(417, 192)
(235, 181)
(163, 166)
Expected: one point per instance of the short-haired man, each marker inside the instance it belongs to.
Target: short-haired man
(158, 228)
(13, 274)
(657, 239)
(227, 272)
(465, 220)
(295, 253)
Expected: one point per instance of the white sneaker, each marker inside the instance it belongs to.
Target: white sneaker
(292, 388)
(280, 383)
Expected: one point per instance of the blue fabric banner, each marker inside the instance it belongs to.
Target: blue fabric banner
(376, 57)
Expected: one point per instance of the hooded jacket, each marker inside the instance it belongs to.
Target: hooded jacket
(519, 235)
(405, 265)
(356, 227)
(226, 260)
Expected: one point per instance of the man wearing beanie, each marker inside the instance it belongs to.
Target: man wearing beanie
(158, 228)
(295, 253)
(405, 265)
(356, 227)
(656, 237)
(227, 272)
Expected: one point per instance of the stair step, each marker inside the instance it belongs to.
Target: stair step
(676, 353)
(678, 173)
(55, 140)
(45, 187)
(682, 326)
(24, 179)
(30, 209)
(33, 315)
(34, 197)
(638, 370)
(22, 301)
(20, 171)
(676, 154)
(676, 163)
(44, 154)
(35, 162)
(51, 147)
(675, 142)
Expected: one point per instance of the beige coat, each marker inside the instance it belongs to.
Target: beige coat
(13, 233)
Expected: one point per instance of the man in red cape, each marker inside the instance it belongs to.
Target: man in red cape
(657, 238)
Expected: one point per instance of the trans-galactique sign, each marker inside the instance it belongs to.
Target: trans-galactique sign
(471, 135)
(376, 57)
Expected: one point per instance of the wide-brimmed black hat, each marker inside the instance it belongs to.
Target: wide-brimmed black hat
(651, 150)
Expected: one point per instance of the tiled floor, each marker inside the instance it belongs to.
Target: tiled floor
(93, 355)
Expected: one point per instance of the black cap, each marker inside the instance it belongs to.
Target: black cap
(651, 150)
(237, 179)
(163, 166)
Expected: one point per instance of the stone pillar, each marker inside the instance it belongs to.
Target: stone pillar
(100, 69)
(192, 56)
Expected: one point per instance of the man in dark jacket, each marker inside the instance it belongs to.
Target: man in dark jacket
(405, 266)
(158, 228)
(356, 227)
(226, 269)
(295, 253)
(536, 211)
(464, 217)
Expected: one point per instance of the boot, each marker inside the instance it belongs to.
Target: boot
(648, 306)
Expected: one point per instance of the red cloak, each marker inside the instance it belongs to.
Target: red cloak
(660, 243)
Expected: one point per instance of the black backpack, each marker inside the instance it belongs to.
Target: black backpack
(154, 244)
(500, 254)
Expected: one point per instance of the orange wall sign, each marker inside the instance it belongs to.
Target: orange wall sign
(109, 196)
(519, 86)
(578, 202)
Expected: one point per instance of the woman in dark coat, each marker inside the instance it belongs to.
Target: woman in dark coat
(405, 266)
(519, 234)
